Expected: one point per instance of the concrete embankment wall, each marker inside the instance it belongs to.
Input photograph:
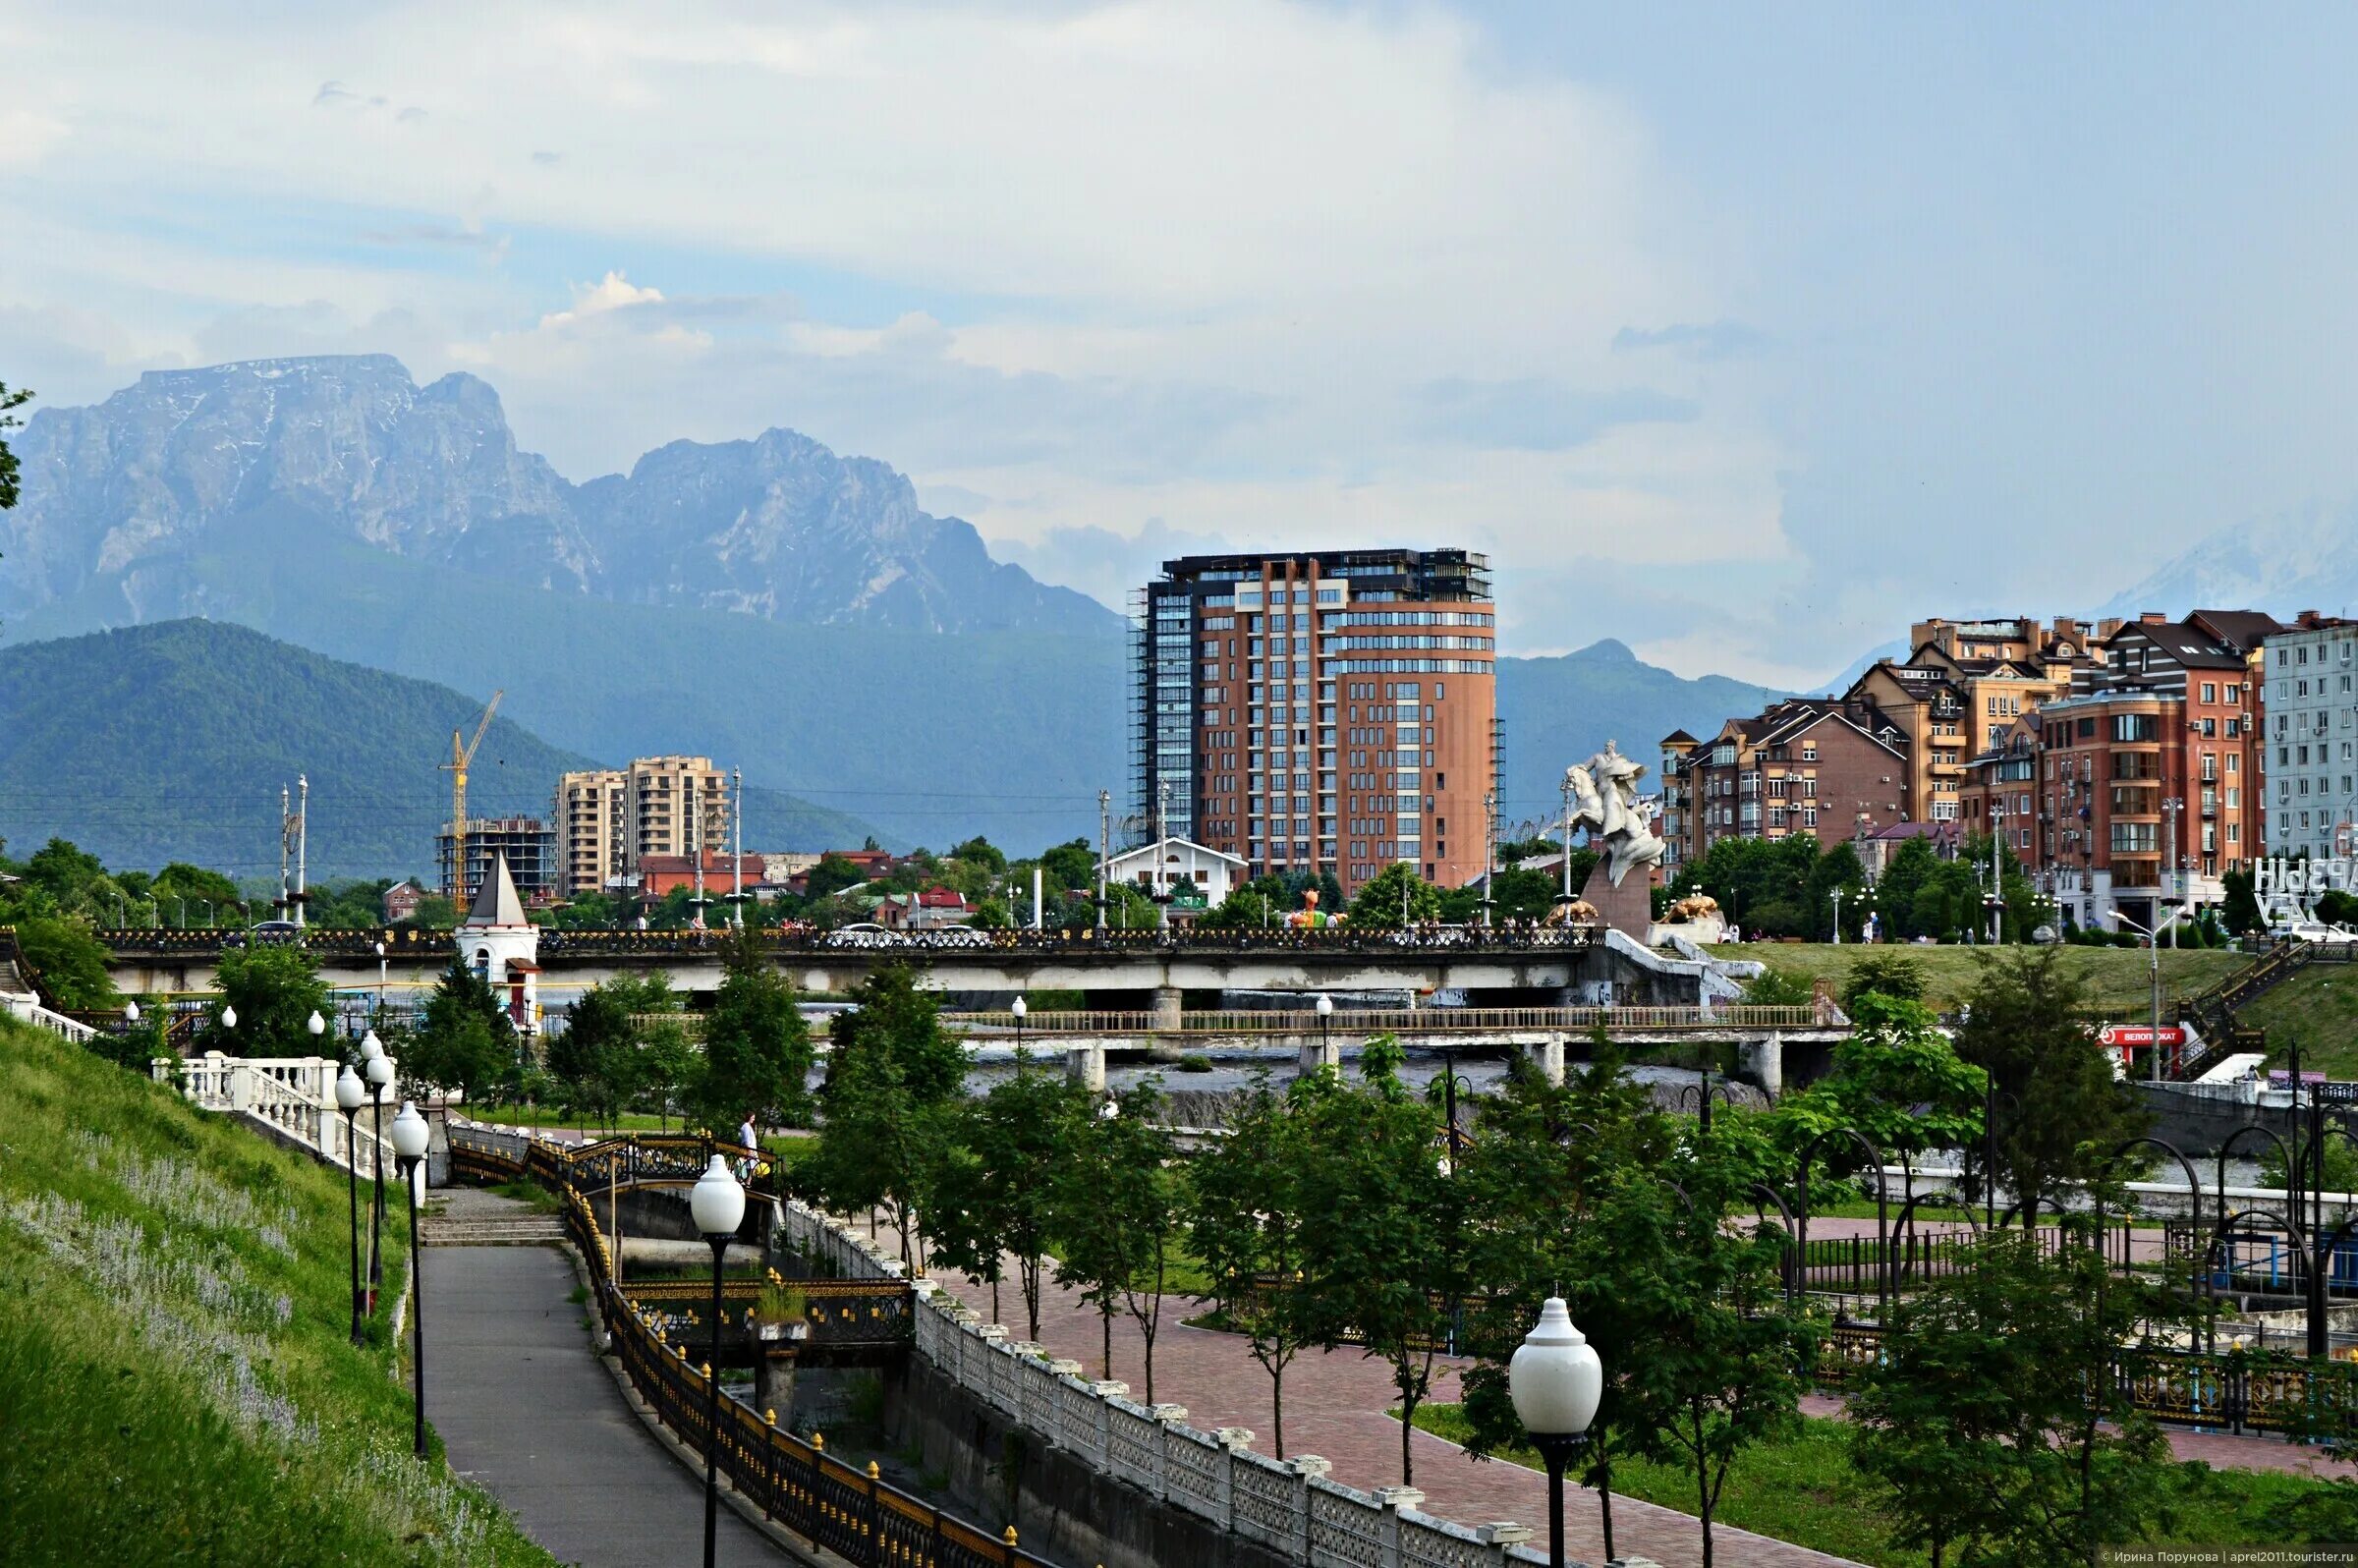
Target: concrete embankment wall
(1063, 1506)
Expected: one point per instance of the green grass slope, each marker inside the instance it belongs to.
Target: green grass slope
(171, 742)
(177, 1382)
(2318, 1009)
(2120, 979)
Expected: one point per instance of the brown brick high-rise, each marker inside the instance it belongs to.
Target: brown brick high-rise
(1333, 711)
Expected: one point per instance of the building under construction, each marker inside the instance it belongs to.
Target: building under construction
(528, 843)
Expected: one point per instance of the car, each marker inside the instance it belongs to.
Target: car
(2321, 933)
(862, 934)
(263, 933)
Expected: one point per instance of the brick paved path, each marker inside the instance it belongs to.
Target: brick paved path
(1334, 1407)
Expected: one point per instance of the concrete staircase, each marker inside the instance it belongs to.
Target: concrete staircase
(471, 1219)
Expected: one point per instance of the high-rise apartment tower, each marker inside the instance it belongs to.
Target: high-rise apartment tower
(1332, 710)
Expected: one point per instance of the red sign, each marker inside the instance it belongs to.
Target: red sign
(2140, 1034)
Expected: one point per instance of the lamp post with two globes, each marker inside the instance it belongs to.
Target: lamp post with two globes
(1555, 1382)
(410, 1137)
(350, 1092)
(717, 1202)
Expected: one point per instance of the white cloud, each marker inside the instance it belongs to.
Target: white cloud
(614, 292)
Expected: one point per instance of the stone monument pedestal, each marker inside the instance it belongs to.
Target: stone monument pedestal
(1629, 908)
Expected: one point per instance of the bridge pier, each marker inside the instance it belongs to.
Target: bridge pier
(1085, 1066)
(1547, 1056)
(1764, 1061)
(1169, 1013)
(1319, 1053)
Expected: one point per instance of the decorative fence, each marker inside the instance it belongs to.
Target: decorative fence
(295, 1094)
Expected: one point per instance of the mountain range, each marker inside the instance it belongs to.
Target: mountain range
(764, 602)
(172, 742)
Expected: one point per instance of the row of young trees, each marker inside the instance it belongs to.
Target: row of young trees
(1339, 1213)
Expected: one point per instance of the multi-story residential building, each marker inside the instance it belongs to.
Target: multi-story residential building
(589, 819)
(1831, 767)
(528, 843)
(2149, 776)
(2311, 746)
(1330, 710)
(608, 819)
(674, 806)
(1962, 685)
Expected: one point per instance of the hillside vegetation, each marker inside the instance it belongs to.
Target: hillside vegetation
(177, 1383)
(171, 741)
(2317, 1009)
(2119, 978)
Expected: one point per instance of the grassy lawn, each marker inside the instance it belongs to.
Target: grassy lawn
(177, 1382)
(2118, 975)
(1804, 1490)
(2318, 1008)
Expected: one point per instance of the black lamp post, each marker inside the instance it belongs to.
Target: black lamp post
(1018, 1008)
(717, 1202)
(378, 1068)
(350, 1092)
(410, 1137)
(1326, 1028)
(1555, 1382)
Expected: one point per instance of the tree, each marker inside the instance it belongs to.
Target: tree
(1996, 1415)
(1897, 1079)
(1379, 1267)
(1245, 909)
(1780, 988)
(464, 1043)
(1114, 1206)
(1378, 905)
(10, 400)
(669, 1067)
(597, 1055)
(71, 963)
(275, 990)
(1723, 1360)
(979, 851)
(757, 1046)
(988, 1179)
(1244, 1220)
(1073, 864)
(1882, 974)
(832, 875)
(2062, 1110)
(2243, 909)
(891, 1064)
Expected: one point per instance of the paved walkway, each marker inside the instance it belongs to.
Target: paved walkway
(1334, 1407)
(527, 1413)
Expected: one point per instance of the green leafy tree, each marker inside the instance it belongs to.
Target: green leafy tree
(2242, 909)
(1245, 909)
(1114, 1205)
(669, 1065)
(991, 914)
(1244, 1220)
(11, 399)
(2062, 1112)
(1882, 974)
(275, 990)
(1380, 903)
(70, 963)
(832, 875)
(596, 1054)
(1995, 1415)
(1898, 1078)
(1723, 1361)
(464, 1041)
(1780, 988)
(757, 1046)
(892, 1063)
(1380, 1268)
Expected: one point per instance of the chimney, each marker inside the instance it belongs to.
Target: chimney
(2153, 618)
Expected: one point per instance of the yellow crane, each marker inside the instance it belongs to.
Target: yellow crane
(461, 755)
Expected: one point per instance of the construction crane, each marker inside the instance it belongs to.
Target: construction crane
(461, 755)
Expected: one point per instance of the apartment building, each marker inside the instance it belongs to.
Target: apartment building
(1963, 684)
(1330, 710)
(2149, 776)
(1836, 768)
(608, 819)
(2311, 745)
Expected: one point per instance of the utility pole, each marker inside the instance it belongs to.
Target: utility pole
(2177, 866)
(1104, 847)
(737, 825)
(302, 847)
(1162, 809)
(1566, 846)
(286, 839)
(1997, 874)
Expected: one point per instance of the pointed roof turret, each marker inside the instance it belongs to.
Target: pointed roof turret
(496, 902)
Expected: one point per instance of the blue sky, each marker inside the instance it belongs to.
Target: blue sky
(1742, 336)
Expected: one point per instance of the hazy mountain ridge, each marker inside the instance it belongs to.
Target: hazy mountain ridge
(2304, 559)
(777, 527)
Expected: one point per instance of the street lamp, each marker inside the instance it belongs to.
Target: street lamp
(1326, 1025)
(717, 1202)
(314, 1026)
(1555, 1382)
(410, 1137)
(131, 1012)
(1019, 1009)
(350, 1092)
(380, 978)
(2153, 950)
(378, 1068)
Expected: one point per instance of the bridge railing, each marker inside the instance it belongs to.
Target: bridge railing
(1353, 1021)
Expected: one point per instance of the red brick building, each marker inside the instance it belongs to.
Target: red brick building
(1833, 768)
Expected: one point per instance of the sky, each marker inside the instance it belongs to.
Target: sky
(1743, 335)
